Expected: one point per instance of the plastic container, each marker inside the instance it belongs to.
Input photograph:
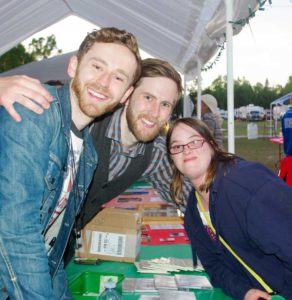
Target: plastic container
(89, 285)
(277, 297)
(110, 292)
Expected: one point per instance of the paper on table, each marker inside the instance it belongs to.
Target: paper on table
(177, 295)
(164, 282)
(192, 282)
(165, 265)
(149, 297)
(140, 285)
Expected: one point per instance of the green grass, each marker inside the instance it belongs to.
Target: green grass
(240, 127)
(260, 149)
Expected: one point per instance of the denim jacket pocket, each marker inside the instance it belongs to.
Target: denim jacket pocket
(53, 185)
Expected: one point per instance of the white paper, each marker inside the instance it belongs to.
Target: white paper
(105, 243)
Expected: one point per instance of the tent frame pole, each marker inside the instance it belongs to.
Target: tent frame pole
(199, 91)
(230, 81)
(185, 98)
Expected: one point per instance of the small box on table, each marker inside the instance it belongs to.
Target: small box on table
(113, 234)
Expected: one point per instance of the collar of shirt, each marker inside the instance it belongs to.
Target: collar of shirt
(113, 132)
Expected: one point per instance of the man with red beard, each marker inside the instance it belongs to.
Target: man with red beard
(128, 143)
(132, 132)
(47, 163)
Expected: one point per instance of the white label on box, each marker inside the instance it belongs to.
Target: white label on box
(105, 243)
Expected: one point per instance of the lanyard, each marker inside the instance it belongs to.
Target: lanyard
(251, 271)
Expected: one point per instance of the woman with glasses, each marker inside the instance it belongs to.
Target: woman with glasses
(237, 204)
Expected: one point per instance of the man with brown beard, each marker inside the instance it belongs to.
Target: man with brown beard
(128, 141)
(47, 163)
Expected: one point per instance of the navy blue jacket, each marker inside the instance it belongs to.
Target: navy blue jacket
(251, 208)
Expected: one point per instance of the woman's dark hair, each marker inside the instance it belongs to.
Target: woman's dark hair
(218, 155)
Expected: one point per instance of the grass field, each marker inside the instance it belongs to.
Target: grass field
(260, 149)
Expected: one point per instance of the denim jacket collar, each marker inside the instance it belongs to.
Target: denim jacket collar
(66, 113)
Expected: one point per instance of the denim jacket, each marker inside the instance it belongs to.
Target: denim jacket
(33, 160)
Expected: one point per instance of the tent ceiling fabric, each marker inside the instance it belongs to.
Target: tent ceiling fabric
(181, 32)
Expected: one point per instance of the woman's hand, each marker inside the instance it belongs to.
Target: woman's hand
(254, 294)
(22, 89)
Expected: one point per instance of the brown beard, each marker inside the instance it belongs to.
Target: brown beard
(140, 135)
(88, 109)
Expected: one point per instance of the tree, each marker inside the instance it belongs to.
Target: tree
(218, 89)
(243, 93)
(42, 48)
(15, 57)
(288, 86)
(38, 49)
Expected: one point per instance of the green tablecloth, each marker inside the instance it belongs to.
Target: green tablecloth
(129, 270)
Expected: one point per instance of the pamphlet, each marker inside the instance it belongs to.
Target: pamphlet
(192, 282)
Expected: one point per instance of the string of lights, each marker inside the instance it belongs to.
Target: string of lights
(242, 22)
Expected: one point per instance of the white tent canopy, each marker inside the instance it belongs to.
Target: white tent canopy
(181, 32)
(186, 33)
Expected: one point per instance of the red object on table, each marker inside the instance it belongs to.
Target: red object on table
(164, 234)
(277, 140)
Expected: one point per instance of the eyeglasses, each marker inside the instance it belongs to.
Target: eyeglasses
(195, 144)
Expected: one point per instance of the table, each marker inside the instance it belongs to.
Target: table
(147, 252)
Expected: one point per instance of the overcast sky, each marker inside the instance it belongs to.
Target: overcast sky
(262, 50)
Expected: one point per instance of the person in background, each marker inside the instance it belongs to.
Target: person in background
(211, 116)
(47, 163)
(287, 130)
(242, 202)
(286, 163)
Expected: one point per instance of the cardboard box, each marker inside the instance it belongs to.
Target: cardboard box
(160, 214)
(113, 234)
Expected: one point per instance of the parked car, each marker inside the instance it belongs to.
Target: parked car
(267, 115)
(254, 116)
(224, 114)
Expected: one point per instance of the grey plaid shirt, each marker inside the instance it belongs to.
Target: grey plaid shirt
(158, 173)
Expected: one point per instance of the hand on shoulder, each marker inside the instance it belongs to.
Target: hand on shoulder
(22, 89)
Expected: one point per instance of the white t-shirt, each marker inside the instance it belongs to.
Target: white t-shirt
(59, 211)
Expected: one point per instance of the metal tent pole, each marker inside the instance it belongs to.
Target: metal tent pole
(230, 82)
(199, 96)
(185, 99)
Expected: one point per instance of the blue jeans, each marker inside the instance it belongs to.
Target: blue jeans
(60, 287)
(3, 294)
